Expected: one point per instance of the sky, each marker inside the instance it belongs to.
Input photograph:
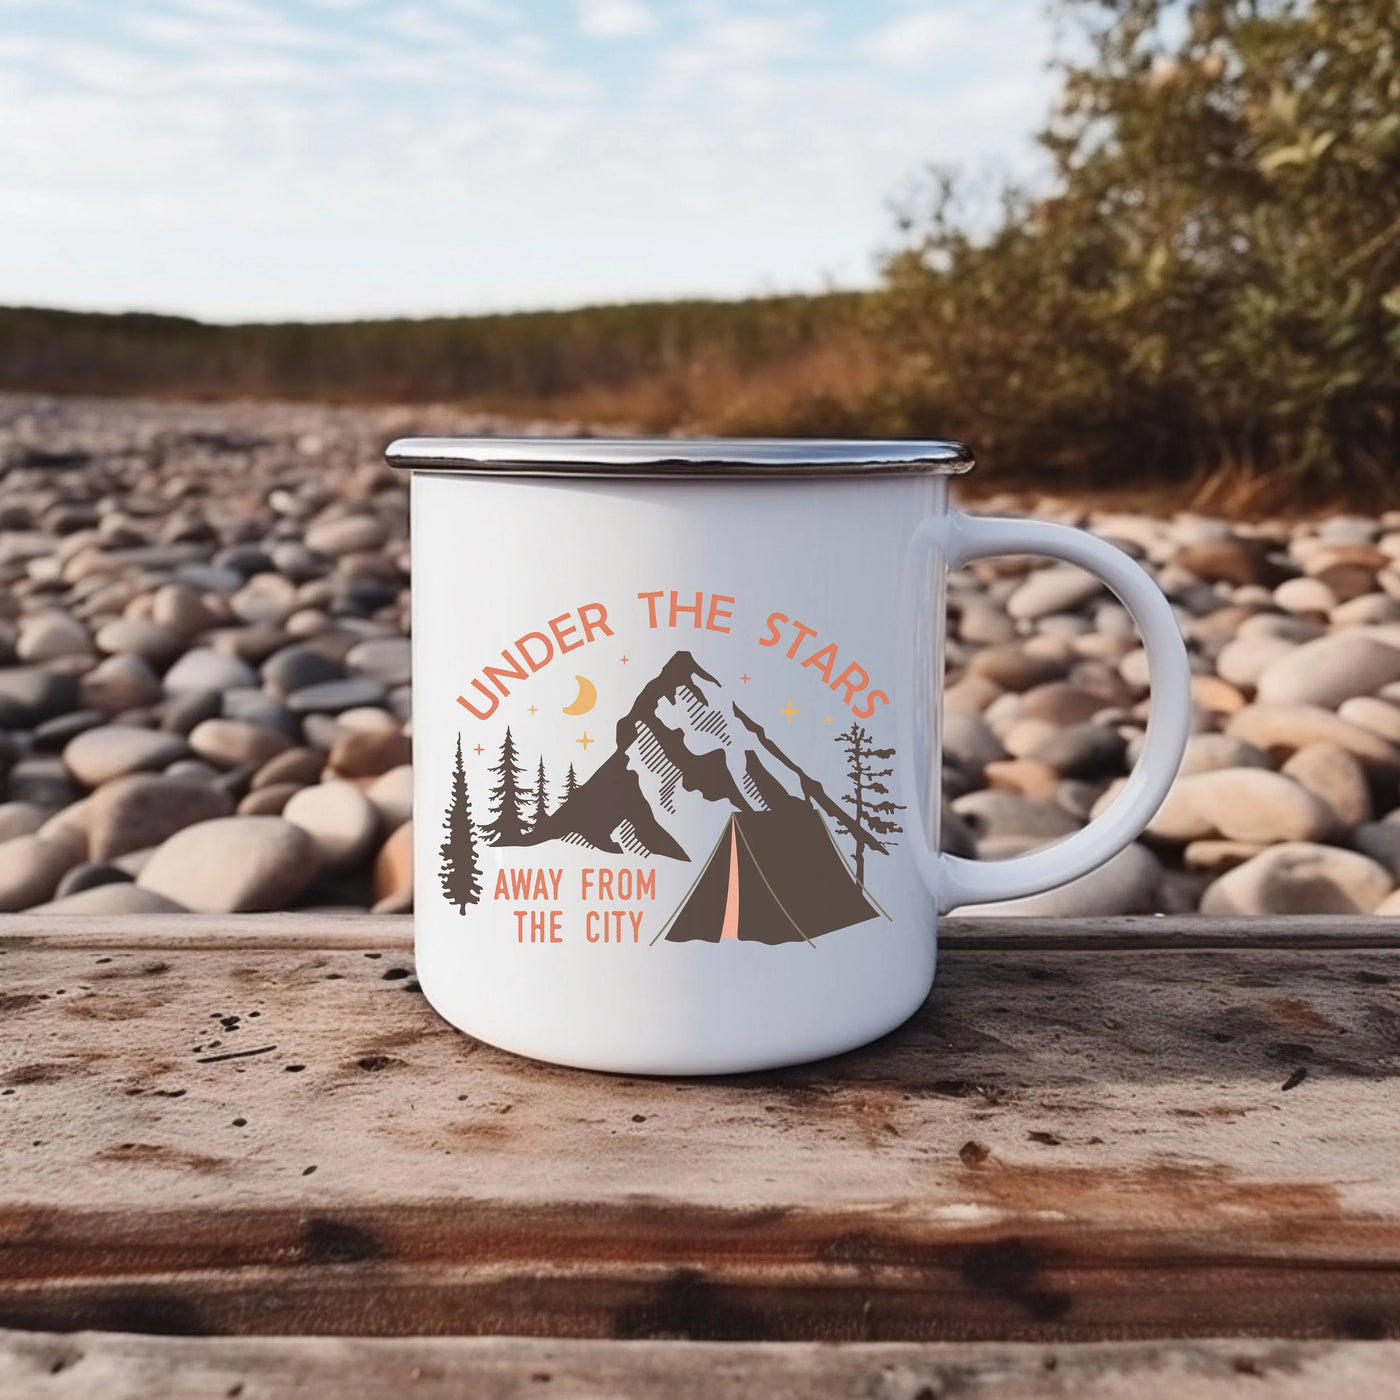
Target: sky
(316, 159)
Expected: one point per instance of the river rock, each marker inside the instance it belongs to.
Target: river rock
(1300, 878)
(268, 800)
(31, 867)
(112, 899)
(232, 743)
(1230, 560)
(1330, 773)
(339, 818)
(968, 741)
(51, 635)
(113, 750)
(1056, 589)
(1379, 716)
(1283, 729)
(1330, 670)
(1241, 804)
(393, 873)
(1012, 667)
(144, 809)
(348, 535)
(368, 753)
(89, 875)
(996, 815)
(1242, 661)
(391, 795)
(207, 669)
(234, 865)
(119, 684)
(152, 640)
(1082, 751)
(30, 695)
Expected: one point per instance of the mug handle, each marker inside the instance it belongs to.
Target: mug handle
(955, 880)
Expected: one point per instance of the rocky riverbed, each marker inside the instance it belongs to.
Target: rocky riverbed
(205, 704)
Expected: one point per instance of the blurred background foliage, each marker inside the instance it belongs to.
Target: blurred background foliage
(1204, 294)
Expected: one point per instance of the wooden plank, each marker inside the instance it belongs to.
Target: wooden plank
(1058, 1146)
(1144, 933)
(118, 1367)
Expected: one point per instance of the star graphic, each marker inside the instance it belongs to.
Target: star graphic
(624, 660)
(534, 710)
(789, 712)
(745, 678)
(479, 751)
(585, 741)
(828, 719)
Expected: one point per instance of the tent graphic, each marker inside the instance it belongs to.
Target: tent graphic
(773, 877)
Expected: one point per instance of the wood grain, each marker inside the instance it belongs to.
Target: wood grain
(116, 1367)
(283, 1138)
(1132, 933)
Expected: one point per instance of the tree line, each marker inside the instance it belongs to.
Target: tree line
(517, 808)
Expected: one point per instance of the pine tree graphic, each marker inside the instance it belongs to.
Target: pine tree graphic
(865, 780)
(459, 872)
(510, 803)
(570, 785)
(541, 811)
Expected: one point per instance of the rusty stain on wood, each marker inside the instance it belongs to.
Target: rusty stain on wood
(1057, 1146)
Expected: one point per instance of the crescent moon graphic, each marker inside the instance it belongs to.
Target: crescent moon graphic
(587, 697)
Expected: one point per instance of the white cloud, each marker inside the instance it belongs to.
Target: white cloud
(615, 19)
(920, 38)
(255, 158)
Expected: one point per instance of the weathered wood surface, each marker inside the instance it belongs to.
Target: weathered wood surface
(282, 1138)
(79, 1366)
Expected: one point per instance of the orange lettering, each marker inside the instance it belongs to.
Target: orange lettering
(803, 632)
(525, 651)
(592, 624)
(823, 660)
(651, 605)
(678, 607)
(494, 674)
(561, 632)
(852, 686)
(716, 612)
(870, 704)
(774, 635)
(480, 714)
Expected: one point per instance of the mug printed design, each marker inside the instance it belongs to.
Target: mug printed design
(794, 844)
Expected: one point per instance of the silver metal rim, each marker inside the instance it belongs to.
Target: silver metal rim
(672, 459)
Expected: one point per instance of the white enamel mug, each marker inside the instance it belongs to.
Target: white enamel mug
(677, 741)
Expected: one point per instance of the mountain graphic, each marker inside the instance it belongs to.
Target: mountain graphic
(775, 874)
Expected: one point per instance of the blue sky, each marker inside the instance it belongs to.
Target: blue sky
(239, 159)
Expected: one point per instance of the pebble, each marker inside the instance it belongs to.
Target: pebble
(206, 669)
(1330, 773)
(393, 873)
(233, 865)
(268, 800)
(347, 535)
(1379, 716)
(232, 743)
(391, 796)
(1056, 589)
(20, 819)
(1241, 804)
(339, 818)
(89, 876)
(1300, 878)
(29, 695)
(968, 741)
(1012, 667)
(330, 697)
(366, 753)
(1329, 670)
(296, 667)
(113, 750)
(153, 640)
(1081, 750)
(31, 867)
(120, 683)
(112, 899)
(143, 810)
(51, 635)
(1283, 729)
